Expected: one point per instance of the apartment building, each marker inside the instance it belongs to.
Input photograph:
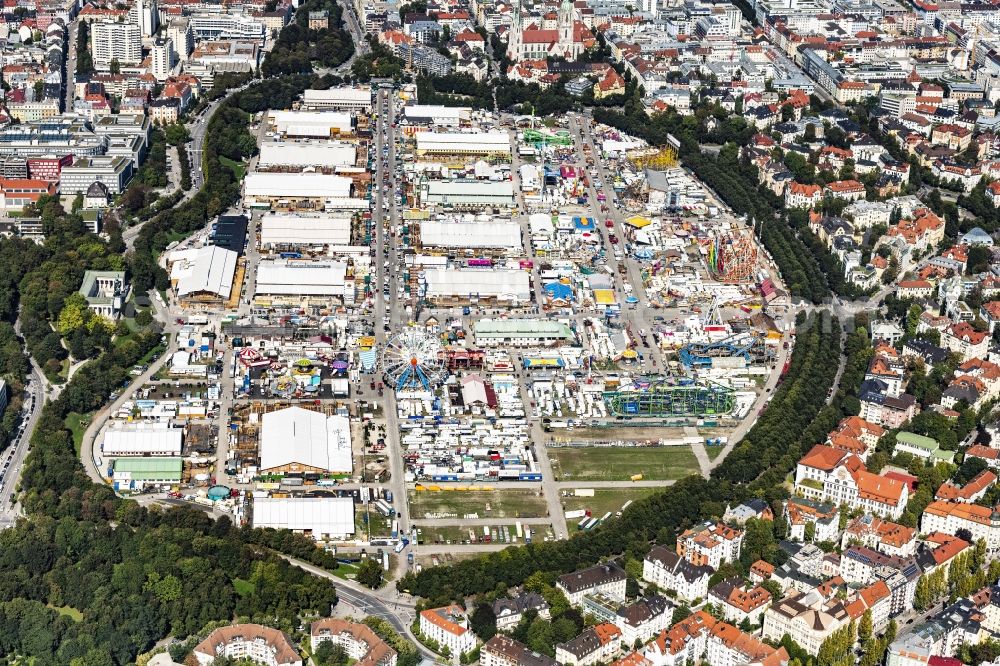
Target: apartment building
(683, 643)
(728, 646)
(605, 579)
(710, 544)
(950, 517)
(449, 626)
(669, 571)
(739, 602)
(359, 642)
(505, 651)
(595, 645)
(121, 42)
(807, 617)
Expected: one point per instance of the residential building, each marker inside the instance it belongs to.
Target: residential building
(449, 626)
(257, 643)
(119, 42)
(728, 646)
(710, 544)
(683, 643)
(738, 602)
(807, 618)
(595, 645)
(510, 610)
(669, 571)
(950, 517)
(606, 579)
(359, 642)
(966, 341)
(505, 651)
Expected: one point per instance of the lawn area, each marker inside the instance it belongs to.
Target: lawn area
(243, 587)
(68, 611)
(662, 463)
(458, 535)
(380, 525)
(484, 503)
(605, 499)
(238, 168)
(77, 424)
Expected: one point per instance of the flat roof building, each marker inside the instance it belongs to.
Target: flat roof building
(141, 439)
(295, 231)
(322, 518)
(468, 193)
(301, 154)
(436, 115)
(286, 190)
(313, 124)
(301, 277)
(521, 333)
(463, 143)
(138, 473)
(343, 98)
(297, 440)
(476, 284)
(502, 235)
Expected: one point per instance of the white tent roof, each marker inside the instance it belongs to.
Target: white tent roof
(308, 153)
(470, 234)
(323, 516)
(142, 441)
(278, 229)
(315, 185)
(210, 269)
(474, 142)
(501, 284)
(307, 278)
(297, 435)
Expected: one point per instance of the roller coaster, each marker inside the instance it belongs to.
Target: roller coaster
(655, 396)
(749, 346)
(560, 138)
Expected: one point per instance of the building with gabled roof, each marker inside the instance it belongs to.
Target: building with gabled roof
(710, 544)
(358, 641)
(597, 644)
(255, 642)
(682, 643)
(605, 579)
(449, 626)
(669, 571)
(728, 646)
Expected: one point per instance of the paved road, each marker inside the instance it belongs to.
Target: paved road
(388, 604)
(70, 81)
(88, 452)
(198, 128)
(12, 458)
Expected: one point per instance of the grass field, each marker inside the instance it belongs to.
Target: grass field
(68, 611)
(380, 525)
(243, 587)
(605, 499)
(459, 535)
(619, 464)
(238, 167)
(77, 424)
(484, 503)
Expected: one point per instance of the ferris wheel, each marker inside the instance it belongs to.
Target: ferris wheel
(412, 359)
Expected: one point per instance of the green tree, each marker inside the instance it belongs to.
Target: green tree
(370, 573)
(483, 621)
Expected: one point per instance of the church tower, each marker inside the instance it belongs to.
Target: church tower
(566, 28)
(516, 29)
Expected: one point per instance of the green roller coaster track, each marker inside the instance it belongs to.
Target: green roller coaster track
(560, 138)
(662, 399)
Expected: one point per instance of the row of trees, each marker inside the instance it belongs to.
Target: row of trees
(298, 47)
(755, 467)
